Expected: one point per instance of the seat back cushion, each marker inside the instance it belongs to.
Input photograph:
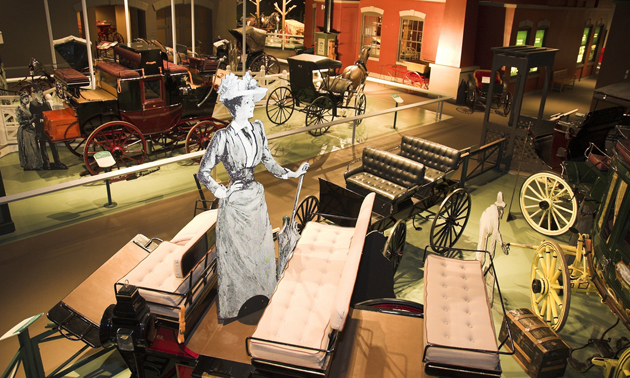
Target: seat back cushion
(392, 167)
(350, 269)
(432, 155)
(196, 238)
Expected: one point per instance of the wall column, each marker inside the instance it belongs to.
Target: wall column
(455, 52)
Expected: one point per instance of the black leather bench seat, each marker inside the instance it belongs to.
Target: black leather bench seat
(437, 158)
(389, 175)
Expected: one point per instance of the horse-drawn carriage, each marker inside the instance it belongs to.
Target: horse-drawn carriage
(407, 185)
(596, 173)
(139, 97)
(256, 57)
(575, 153)
(316, 84)
(478, 88)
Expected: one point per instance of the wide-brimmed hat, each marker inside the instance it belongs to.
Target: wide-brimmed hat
(231, 87)
(500, 202)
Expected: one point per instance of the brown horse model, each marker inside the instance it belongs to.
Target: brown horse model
(357, 73)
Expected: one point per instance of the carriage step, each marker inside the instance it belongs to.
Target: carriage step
(603, 347)
(580, 367)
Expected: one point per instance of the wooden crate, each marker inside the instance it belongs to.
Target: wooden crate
(539, 349)
(62, 124)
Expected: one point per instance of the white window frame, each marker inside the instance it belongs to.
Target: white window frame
(375, 45)
(406, 52)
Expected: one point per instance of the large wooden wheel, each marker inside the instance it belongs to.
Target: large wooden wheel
(623, 365)
(280, 105)
(450, 220)
(270, 62)
(360, 103)
(123, 140)
(471, 96)
(548, 204)
(322, 110)
(76, 146)
(306, 211)
(395, 244)
(550, 285)
(199, 136)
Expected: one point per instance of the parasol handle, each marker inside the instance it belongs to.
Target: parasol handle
(297, 195)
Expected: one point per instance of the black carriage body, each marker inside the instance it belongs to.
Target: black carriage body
(142, 89)
(610, 261)
(301, 69)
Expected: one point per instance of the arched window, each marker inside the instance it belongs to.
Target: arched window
(371, 23)
(410, 35)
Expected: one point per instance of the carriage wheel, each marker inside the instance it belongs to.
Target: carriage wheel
(322, 110)
(75, 148)
(413, 79)
(199, 137)
(123, 140)
(450, 220)
(360, 103)
(306, 211)
(117, 37)
(548, 204)
(471, 96)
(168, 140)
(270, 62)
(280, 105)
(395, 244)
(550, 285)
(507, 104)
(88, 127)
(623, 365)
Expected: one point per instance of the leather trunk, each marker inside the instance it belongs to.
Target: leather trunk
(539, 349)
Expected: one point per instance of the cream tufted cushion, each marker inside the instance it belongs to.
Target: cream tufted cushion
(313, 295)
(161, 269)
(456, 314)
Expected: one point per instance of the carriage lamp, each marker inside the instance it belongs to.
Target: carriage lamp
(128, 324)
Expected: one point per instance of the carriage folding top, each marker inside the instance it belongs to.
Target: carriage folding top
(254, 38)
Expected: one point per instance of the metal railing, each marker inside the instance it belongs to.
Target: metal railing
(148, 166)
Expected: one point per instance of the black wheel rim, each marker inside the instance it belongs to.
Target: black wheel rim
(322, 110)
(280, 105)
(450, 221)
(124, 141)
(306, 212)
(396, 243)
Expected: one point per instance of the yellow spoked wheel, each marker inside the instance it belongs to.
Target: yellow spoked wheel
(623, 366)
(548, 203)
(550, 285)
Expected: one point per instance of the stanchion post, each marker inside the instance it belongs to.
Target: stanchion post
(105, 160)
(398, 100)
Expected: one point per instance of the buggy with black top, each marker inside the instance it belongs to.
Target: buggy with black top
(318, 89)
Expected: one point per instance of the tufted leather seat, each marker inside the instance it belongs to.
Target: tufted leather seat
(312, 298)
(439, 160)
(456, 315)
(164, 276)
(389, 175)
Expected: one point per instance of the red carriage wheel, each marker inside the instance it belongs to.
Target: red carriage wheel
(123, 140)
(200, 135)
(413, 79)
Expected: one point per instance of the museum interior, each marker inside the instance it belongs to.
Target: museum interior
(443, 189)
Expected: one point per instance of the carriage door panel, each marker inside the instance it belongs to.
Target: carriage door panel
(156, 116)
